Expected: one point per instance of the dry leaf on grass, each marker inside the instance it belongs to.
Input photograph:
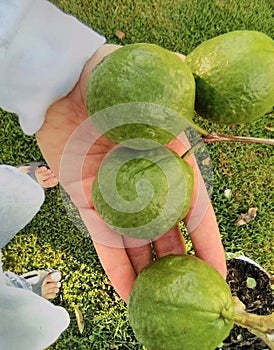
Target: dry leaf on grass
(206, 161)
(120, 35)
(79, 319)
(245, 218)
(269, 128)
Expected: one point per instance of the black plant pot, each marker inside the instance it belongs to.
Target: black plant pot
(257, 296)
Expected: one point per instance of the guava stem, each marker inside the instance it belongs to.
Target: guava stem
(212, 137)
(262, 324)
(200, 130)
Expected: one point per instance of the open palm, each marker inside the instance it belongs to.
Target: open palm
(63, 142)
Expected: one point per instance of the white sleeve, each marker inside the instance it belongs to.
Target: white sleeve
(42, 54)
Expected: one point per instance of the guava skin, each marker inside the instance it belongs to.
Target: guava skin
(234, 74)
(144, 73)
(143, 194)
(176, 304)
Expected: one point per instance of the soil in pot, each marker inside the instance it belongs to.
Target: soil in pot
(253, 287)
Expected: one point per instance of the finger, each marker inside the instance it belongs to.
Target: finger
(207, 243)
(202, 225)
(140, 256)
(118, 268)
(200, 220)
(171, 242)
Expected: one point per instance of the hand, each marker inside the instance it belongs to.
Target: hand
(122, 261)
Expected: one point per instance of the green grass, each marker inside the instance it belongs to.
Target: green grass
(52, 240)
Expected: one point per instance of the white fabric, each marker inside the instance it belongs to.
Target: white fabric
(42, 53)
(28, 322)
(1, 267)
(20, 199)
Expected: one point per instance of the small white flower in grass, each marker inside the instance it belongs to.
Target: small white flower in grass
(228, 193)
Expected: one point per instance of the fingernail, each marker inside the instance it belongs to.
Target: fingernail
(55, 276)
(58, 284)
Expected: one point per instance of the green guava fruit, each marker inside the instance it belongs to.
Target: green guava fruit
(234, 75)
(143, 193)
(177, 303)
(144, 73)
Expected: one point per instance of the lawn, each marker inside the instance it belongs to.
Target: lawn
(51, 239)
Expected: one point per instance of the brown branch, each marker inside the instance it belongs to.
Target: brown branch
(210, 138)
